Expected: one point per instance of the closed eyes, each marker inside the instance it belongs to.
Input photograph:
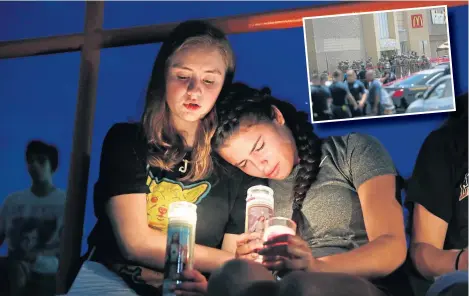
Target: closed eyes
(243, 163)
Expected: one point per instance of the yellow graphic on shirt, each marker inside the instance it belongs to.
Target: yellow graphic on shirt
(165, 191)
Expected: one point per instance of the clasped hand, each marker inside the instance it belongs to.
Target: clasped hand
(193, 284)
(282, 253)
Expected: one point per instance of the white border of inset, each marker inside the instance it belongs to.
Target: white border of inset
(378, 116)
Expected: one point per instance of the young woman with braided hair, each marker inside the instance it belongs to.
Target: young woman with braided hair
(339, 190)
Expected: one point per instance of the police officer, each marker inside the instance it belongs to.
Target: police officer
(341, 97)
(358, 91)
(321, 98)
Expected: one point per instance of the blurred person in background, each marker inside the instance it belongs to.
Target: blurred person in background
(362, 73)
(388, 77)
(437, 196)
(358, 91)
(374, 94)
(341, 97)
(30, 224)
(321, 98)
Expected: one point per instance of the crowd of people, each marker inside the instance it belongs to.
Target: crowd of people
(401, 65)
(205, 139)
(350, 95)
(359, 79)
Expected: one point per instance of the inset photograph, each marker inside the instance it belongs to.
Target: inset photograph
(379, 64)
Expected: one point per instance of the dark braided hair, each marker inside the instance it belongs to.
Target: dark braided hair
(247, 106)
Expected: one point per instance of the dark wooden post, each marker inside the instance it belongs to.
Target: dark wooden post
(70, 248)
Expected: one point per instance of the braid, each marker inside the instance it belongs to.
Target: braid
(241, 102)
(308, 145)
(309, 151)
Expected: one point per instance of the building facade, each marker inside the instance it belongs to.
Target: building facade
(424, 30)
(330, 40)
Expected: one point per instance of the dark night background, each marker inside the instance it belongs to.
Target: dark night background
(38, 94)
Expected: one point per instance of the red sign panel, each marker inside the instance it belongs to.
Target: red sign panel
(416, 20)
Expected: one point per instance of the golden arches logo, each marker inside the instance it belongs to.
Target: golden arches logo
(417, 20)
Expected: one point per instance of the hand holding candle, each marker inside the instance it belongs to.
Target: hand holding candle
(248, 245)
(182, 218)
(193, 283)
(259, 208)
(283, 249)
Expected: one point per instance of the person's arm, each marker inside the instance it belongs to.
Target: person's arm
(147, 246)
(384, 224)
(430, 191)
(350, 98)
(373, 174)
(364, 95)
(426, 250)
(328, 98)
(377, 98)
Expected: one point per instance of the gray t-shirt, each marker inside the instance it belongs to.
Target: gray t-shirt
(333, 215)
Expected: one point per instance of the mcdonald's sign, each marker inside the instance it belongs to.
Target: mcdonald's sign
(416, 20)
